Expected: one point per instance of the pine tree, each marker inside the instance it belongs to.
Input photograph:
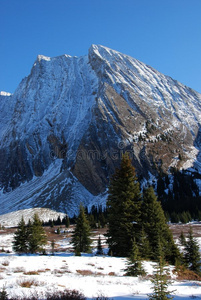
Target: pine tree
(156, 228)
(182, 239)
(66, 221)
(134, 262)
(160, 283)
(3, 294)
(192, 255)
(123, 204)
(81, 236)
(99, 247)
(37, 236)
(20, 243)
(144, 246)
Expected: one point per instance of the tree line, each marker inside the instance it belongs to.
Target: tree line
(136, 226)
(29, 238)
(179, 195)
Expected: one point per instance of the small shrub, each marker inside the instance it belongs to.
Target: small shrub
(58, 271)
(28, 283)
(85, 272)
(66, 295)
(2, 269)
(90, 264)
(32, 296)
(100, 274)
(111, 274)
(31, 273)
(43, 270)
(19, 270)
(3, 294)
(101, 297)
(5, 263)
(186, 274)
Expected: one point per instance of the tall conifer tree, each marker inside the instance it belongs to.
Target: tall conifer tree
(123, 204)
(81, 236)
(192, 255)
(37, 237)
(20, 243)
(156, 228)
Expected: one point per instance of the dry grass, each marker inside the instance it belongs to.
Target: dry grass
(19, 270)
(85, 272)
(61, 271)
(111, 274)
(91, 264)
(31, 273)
(28, 283)
(43, 270)
(99, 274)
(5, 263)
(58, 271)
(185, 274)
(2, 269)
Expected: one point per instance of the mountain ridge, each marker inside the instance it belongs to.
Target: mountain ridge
(80, 114)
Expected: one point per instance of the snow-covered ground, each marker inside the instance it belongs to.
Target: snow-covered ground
(90, 274)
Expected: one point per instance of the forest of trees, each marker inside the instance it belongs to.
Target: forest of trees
(136, 227)
(30, 238)
(179, 196)
(137, 217)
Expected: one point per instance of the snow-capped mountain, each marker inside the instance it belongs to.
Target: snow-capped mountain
(64, 129)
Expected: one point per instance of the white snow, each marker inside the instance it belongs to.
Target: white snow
(59, 97)
(43, 57)
(2, 93)
(91, 275)
(45, 214)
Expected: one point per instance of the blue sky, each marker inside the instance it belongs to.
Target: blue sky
(165, 34)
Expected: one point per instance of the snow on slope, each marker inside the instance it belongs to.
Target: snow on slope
(58, 99)
(53, 179)
(159, 91)
(2, 93)
(57, 96)
(45, 214)
(89, 274)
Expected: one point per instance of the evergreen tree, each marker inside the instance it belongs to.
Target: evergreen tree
(160, 283)
(144, 246)
(156, 228)
(123, 204)
(134, 262)
(4, 294)
(182, 239)
(192, 254)
(99, 247)
(52, 246)
(81, 236)
(66, 221)
(37, 237)
(20, 243)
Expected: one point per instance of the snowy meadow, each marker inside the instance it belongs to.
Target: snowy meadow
(26, 275)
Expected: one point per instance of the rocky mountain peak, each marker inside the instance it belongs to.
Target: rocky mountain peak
(67, 124)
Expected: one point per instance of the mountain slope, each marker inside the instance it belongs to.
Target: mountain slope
(65, 127)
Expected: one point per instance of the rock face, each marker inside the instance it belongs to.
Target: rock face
(64, 129)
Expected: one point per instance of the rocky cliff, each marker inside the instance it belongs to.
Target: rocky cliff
(64, 129)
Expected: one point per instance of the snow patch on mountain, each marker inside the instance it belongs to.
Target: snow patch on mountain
(2, 93)
(45, 214)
